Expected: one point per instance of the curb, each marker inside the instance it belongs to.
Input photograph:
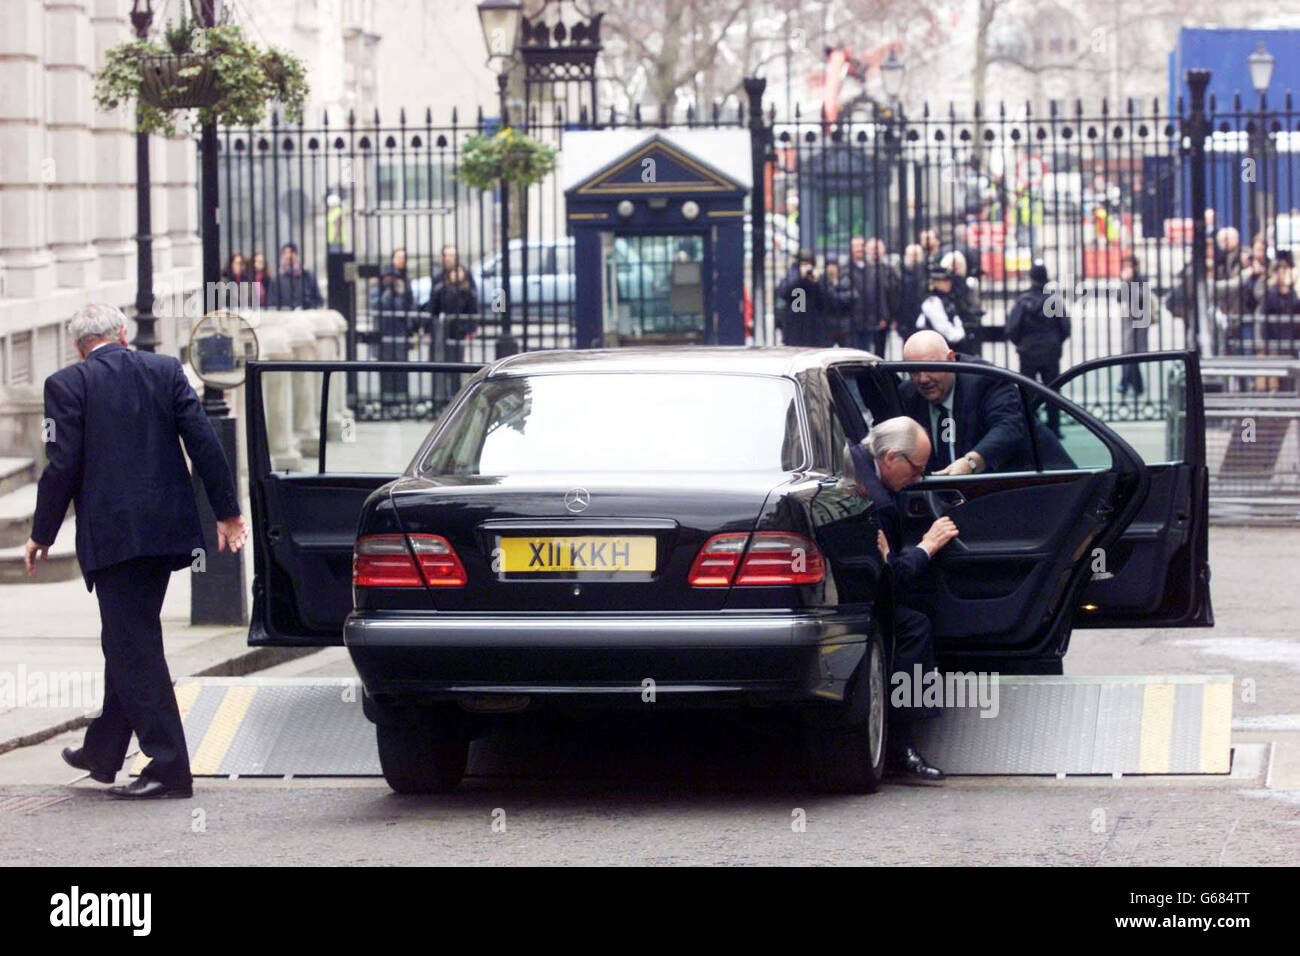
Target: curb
(238, 666)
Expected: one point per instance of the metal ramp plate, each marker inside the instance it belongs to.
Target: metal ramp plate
(1089, 725)
(274, 727)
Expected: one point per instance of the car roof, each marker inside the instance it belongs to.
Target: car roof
(758, 360)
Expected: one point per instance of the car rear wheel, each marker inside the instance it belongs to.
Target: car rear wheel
(847, 755)
(420, 757)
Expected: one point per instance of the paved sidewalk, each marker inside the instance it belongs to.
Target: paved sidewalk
(51, 665)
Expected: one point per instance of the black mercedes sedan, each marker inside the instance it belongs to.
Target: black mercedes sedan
(660, 527)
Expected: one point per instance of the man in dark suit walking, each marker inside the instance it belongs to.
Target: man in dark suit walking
(116, 420)
(891, 457)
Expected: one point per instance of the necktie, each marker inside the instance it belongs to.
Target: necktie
(942, 435)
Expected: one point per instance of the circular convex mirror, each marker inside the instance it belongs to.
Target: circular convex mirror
(221, 345)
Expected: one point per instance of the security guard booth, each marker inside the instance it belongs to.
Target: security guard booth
(658, 236)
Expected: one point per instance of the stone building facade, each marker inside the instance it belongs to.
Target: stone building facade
(67, 186)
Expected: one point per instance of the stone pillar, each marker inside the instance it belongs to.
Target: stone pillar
(113, 142)
(26, 263)
(306, 385)
(181, 223)
(69, 169)
(273, 337)
(331, 346)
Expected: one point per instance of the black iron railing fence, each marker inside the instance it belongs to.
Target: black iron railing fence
(1103, 198)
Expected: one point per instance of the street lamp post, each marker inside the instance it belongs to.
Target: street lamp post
(217, 593)
(146, 337)
(1261, 75)
(500, 21)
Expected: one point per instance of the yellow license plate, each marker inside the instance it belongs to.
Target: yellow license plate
(581, 553)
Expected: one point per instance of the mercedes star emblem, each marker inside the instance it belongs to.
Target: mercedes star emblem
(577, 500)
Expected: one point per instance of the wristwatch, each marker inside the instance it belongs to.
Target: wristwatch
(974, 465)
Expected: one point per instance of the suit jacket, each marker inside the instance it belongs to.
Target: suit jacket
(117, 418)
(295, 290)
(875, 287)
(989, 420)
(906, 563)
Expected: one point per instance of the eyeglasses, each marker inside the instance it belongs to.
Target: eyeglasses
(916, 469)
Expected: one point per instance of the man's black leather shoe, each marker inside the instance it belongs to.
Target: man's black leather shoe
(76, 759)
(909, 763)
(143, 788)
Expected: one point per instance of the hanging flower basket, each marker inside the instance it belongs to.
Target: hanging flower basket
(172, 82)
(507, 155)
(202, 75)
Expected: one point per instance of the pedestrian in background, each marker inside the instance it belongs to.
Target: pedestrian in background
(1140, 314)
(913, 288)
(839, 304)
(453, 298)
(942, 310)
(1280, 304)
(1038, 326)
(260, 277)
(295, 287)
(451, 323)
(392, 301)
(235, 268)
(117, 421)
(805, 302)
(874, 284)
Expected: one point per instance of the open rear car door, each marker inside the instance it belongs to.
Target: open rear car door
(322, 436)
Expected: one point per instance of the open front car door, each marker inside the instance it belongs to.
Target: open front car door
(1056, 489)
(1157, 574)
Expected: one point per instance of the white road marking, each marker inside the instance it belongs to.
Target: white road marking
(1261, 650)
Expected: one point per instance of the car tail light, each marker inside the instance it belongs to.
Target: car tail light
(438, 560)
(781, 558)
(717, 561)
(384, 561)
(774, 558)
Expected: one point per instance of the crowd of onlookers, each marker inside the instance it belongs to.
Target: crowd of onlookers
(857, 303)
(1250, 292)
(1250, 296)
(293, 288)
(453, 294)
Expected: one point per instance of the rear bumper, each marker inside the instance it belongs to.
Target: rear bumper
(406, 658)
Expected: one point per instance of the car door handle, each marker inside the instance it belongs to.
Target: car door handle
(945, 499)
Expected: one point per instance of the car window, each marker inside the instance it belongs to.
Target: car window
(563, 260)
(839, 443)
(540, 259)
(622, 422)
(1141, 401)
(535, 256)
(964, 412)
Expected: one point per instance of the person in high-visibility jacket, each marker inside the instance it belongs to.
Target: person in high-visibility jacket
(335, 229)
(1029, 217)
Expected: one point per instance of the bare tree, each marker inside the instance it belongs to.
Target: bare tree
(701, 50)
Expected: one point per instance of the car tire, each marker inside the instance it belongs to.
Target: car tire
(847, 755)
(421, 758)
